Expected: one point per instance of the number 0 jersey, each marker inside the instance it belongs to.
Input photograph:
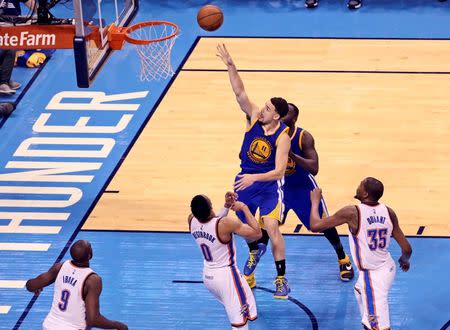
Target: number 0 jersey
(370, 244)
(216, 254)
(68, 308)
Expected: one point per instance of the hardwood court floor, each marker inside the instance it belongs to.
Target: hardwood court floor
(375, 107)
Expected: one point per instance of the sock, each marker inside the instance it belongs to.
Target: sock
(252, 246)
(265, 237)
(333, 237)
(281, 267)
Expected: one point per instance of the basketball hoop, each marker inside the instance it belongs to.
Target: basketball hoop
(153, 41)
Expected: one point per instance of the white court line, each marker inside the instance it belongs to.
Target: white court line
(4, 309)
(24, 246)
(12, 284)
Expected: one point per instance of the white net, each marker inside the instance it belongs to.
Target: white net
(155, 56)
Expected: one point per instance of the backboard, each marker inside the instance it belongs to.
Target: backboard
(90, 54)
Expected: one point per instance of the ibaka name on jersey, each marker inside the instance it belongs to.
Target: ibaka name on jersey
(69, 280)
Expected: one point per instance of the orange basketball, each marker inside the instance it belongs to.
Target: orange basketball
(210, 17)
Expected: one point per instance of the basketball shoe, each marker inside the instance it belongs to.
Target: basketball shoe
(253, 259)
(346, 272)
(281, 288)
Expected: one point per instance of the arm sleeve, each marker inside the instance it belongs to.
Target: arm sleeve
(223, 212)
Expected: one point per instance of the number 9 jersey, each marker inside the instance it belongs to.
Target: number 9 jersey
(68, 310)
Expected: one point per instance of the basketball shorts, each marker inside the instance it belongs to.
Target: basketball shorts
(297, 198)
(232, 290)
(50, 323)
(265, 196)
(371, 292)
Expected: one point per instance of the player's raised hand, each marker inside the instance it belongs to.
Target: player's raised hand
(316, 195)
(230, 198)
(223, 54)
(404, 263)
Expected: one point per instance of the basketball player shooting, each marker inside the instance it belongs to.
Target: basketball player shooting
(264, 155)
(371, 225)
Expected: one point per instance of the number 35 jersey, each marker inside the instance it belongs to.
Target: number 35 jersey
(370, 244)
(68, 307)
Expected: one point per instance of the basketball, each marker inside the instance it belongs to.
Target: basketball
(210, 17)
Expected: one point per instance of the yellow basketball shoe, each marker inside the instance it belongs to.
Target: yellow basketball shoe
(251, 280)
(346, 272)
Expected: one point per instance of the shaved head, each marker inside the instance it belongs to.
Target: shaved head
(81, 251)
(374, 188)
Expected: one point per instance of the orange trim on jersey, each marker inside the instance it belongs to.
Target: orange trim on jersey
(367, 299)
(82, 285)
(373, 298)
(236, 287)
(231, 253)
(236, 272)
(300, 139)
(286, 130)
(358, 254)
(356, 241)
(359, 220)
(217, 233)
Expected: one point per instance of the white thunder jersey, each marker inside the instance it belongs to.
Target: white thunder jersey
(370, 245)
(217, 254)
(68, 309)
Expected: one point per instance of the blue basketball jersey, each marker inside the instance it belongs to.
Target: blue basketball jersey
(11, 7)
(258, 150)
(295, 175)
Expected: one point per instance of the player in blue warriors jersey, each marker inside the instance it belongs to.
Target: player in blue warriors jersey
(264, 155)
(303, 165)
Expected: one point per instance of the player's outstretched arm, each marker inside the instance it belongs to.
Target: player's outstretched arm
(310, 161)
(347, 214)
(236, 83)
(398, 235)
(93, 286)
(37, 284)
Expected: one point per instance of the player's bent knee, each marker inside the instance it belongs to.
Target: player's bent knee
(271, 226)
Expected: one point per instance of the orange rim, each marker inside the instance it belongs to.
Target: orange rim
(145, 24)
